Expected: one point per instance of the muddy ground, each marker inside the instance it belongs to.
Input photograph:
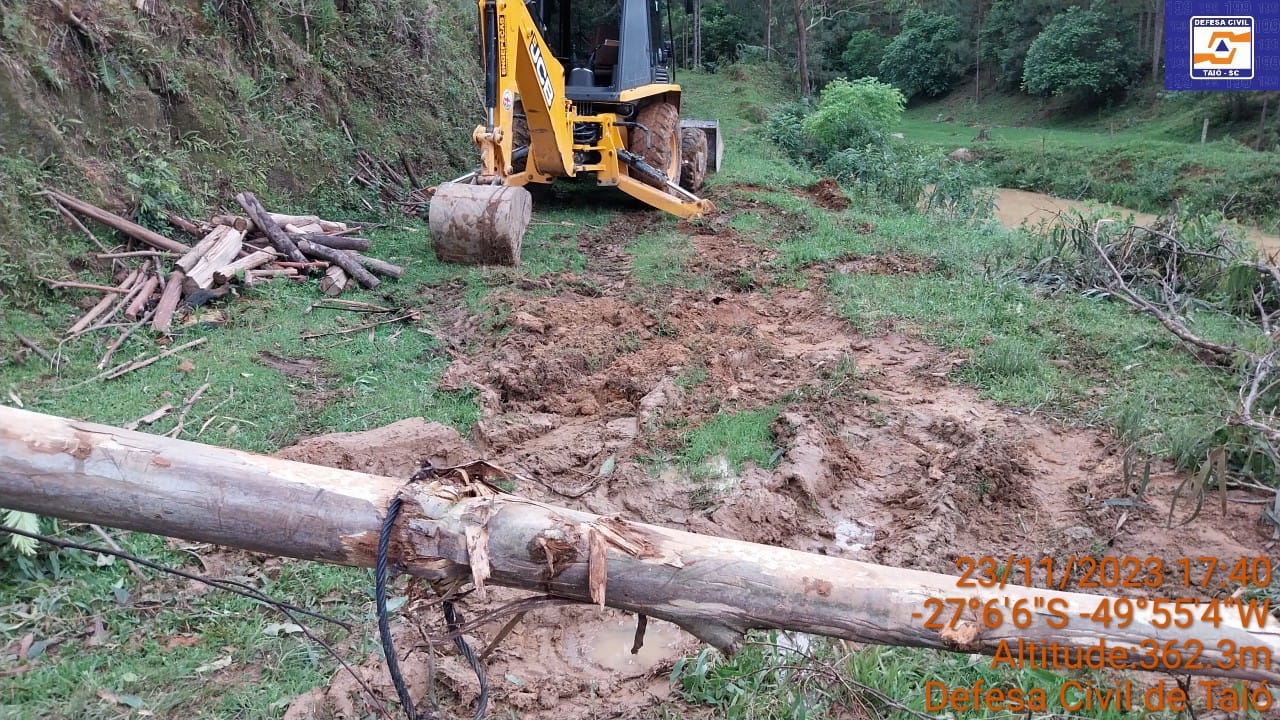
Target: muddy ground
(883, 458)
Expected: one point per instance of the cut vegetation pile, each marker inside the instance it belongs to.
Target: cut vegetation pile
(232, 250)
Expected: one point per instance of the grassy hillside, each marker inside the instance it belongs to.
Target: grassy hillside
(1145, 154)
(146, 107)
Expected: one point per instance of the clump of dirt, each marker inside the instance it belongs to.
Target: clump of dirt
(395, 450)
(826, 193)
(880, 456)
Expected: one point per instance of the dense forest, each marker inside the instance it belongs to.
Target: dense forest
(927, 49)
(1091, 55)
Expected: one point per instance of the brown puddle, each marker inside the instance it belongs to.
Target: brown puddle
(610, 645)
(1017, 207)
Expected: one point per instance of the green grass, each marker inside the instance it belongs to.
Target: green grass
(1075, 357)
(783, 676)
(660, 260)
(166, 648)
(730, 439)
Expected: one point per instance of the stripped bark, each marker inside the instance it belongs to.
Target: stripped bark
(337, 242)
(224, 252)
(335, 280)
(456, 528)
(189, 260)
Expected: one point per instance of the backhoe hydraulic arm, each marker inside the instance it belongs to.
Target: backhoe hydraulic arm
(518, 64)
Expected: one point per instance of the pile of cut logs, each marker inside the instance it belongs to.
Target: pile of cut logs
(232, 249)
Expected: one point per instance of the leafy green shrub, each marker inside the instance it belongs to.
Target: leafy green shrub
(915, 178)
(786, 130)
(854, 114)
(922, 59)
(1087, 51)
(159, 191)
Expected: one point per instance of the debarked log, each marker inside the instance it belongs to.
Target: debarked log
(455, 535)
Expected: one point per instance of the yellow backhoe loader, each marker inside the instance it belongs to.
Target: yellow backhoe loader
(614, 113)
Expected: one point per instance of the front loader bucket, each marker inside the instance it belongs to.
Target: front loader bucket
(479, 224)
(715, 140)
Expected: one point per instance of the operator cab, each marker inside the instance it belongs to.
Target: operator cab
(608, 46)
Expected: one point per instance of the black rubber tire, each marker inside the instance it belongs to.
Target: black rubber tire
(693, 159)
(660, 147)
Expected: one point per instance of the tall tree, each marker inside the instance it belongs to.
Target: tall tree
(802, 48)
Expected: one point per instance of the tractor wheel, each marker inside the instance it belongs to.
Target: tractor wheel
(693, 159)
(660, 146)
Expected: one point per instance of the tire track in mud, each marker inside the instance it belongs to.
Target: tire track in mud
(881, 457)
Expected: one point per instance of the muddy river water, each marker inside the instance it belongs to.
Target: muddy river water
(1015, 207)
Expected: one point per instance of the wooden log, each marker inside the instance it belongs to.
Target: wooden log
(106, 302)
(71, 218)
(189, 260)
(168, 301)
(56, 284)
(133, 254)
(139, 303)
(254, 277)
(183, 224)
(132, 229)
(282, 219)
(252, 261)
(279, 238)
(453, 534)
(303, 266)
(308, 229)
(343, 259)
(337, 242)
(381, 267)
(334, 281)
(224, 252)
(35, 348)
(235, 221)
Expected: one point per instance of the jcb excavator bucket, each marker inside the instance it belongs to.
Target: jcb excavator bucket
(479, 224)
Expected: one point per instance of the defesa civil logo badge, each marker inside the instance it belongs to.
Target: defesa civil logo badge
(1222, 47)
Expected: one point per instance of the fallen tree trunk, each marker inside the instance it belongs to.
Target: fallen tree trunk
(453, 534)
(132, 229)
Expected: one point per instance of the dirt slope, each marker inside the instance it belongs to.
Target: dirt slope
(882, 458)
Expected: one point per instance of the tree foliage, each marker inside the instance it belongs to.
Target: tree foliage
(1009, 28)
(922, 59)
(1084, 51)
(863, 53)
(854, 113)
